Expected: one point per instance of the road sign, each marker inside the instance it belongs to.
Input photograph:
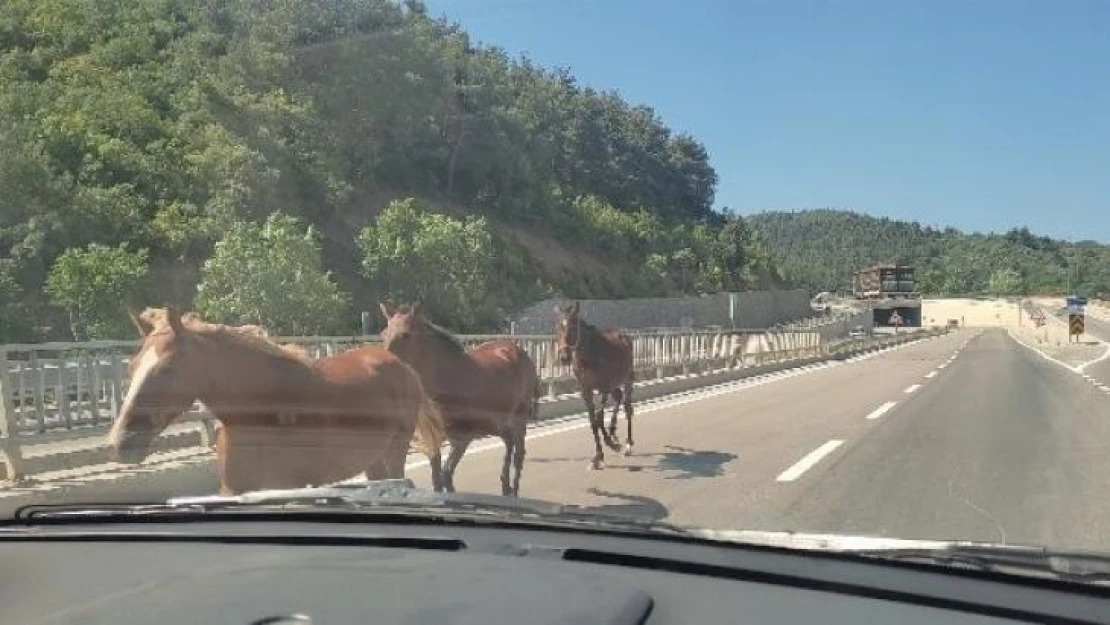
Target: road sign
(1076, 301)
(1076, 325)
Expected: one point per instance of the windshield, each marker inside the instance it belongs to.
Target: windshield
(573, 252)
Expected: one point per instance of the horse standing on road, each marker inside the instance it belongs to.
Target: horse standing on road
(602, 362)
(287, 420)
(488, 390)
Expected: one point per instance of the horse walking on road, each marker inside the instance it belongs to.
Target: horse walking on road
(288, 421)
(602, 362)
(488, 390)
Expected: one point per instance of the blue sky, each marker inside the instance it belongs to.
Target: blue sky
(982, 115)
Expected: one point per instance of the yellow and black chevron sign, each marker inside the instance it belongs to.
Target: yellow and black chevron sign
(1076, 324)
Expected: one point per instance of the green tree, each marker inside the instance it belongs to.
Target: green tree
(271, 274)
(94, 285)
(1005, 282)
(14, 320)
(163, 124)
(411, 254)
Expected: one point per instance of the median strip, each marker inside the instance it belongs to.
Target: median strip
(808, 461)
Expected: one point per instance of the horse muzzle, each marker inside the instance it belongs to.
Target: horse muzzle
(133, 447)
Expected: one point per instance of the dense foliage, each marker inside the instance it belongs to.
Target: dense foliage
(162, 124)
(448, 264)
(93, 285)
(271, 274)
(820, 249)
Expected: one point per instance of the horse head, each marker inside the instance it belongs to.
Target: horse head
(568, 331)
(165, 380)
(402, 323)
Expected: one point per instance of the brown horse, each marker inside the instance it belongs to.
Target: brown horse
(601, 361)
(287, 420)
(489, 390)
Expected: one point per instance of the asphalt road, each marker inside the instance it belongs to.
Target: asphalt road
(970, 436)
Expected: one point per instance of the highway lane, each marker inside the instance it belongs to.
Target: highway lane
(1005, 447)
(972, 436)
(999, 444)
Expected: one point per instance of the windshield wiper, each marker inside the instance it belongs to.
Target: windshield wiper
(1072, 566)
(397, 496)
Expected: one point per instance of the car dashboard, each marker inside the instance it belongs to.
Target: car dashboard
(243, 572)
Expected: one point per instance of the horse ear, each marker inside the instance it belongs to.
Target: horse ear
(174, 319)
(140, 325)
(387, 312)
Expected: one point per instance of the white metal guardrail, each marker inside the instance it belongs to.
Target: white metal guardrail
(56, 392)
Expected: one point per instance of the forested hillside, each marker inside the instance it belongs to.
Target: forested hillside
(819, 250)
(151, 149)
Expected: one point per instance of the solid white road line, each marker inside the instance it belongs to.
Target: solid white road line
(882, 410)
(912, 388)
(931, 374)
(808, 461)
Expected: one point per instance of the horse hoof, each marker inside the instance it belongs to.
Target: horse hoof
(627, 450)
(595, 465)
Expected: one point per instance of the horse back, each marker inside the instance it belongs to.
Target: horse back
(371, 372)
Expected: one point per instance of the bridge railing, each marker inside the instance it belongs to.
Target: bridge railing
(67, 394)
(74, 386)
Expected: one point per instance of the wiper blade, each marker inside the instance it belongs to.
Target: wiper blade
(1076, 566)
(398, 495)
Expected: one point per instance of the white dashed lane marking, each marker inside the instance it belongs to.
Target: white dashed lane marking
(807, 462)
(881, 410)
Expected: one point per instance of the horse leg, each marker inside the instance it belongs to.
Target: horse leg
(609, 435)
(604, 403)
(518, 461)
(627, 417)
(458, 448)
(435, 462)
(393, 460)
(510, 442)
(613, 420)
(519, 432)
(596, 426)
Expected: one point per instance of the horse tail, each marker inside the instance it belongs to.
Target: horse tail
(431, 430)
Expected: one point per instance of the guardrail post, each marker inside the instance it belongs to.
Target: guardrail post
(39, 392)
(61, 394)
(9, 424)
(116, 384)
(95, 388)
(659, 353)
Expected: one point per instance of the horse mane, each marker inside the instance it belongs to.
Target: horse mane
(448, 340)
(254, 336)
(588, 335)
